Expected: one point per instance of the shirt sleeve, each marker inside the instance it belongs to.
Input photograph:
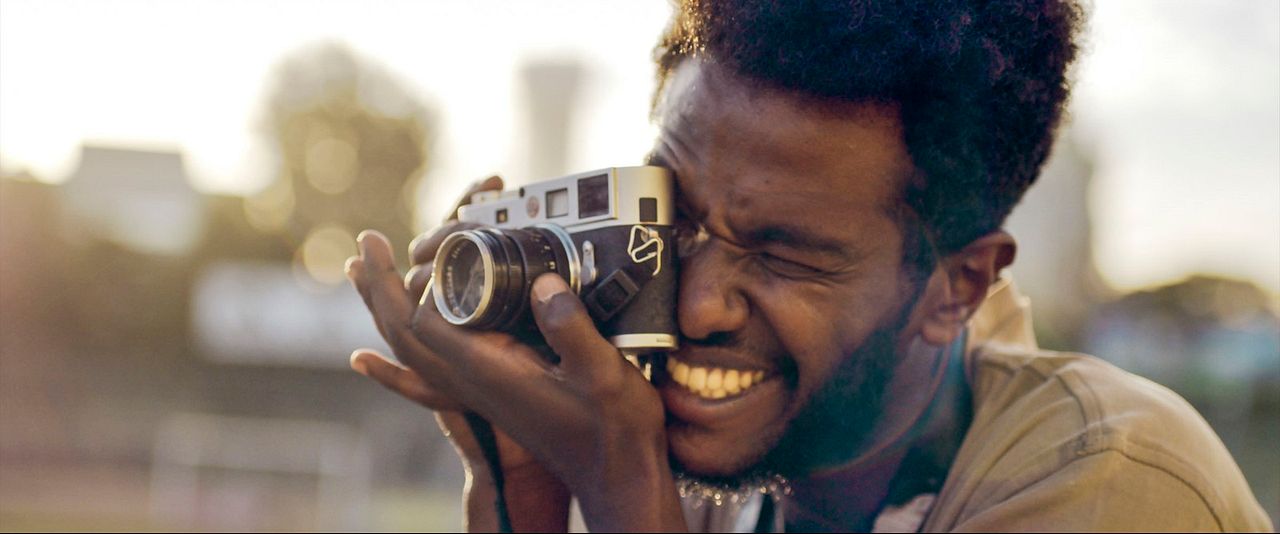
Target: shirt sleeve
(1101, 491)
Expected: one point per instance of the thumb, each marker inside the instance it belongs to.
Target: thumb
(567, 326)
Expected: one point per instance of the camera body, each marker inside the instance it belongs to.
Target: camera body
(607, 232)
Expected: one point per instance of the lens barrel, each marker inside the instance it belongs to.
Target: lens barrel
(482, 278)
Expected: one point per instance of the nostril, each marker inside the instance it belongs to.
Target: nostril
(714, 339)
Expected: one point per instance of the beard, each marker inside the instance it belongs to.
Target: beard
(836, 422)
(834, 425)
(830, 429)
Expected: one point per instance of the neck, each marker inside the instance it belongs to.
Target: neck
(924, 404)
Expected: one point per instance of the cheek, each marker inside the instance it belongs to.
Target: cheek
(810, 328)
(819, 327)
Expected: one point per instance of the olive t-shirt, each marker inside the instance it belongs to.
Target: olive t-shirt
(1064, 441)
(1061, 442)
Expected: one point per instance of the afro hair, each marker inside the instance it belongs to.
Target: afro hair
(980, 85)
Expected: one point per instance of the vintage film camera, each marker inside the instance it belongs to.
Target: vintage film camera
(608, 233)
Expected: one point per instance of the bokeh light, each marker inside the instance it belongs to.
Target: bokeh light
(325, 251)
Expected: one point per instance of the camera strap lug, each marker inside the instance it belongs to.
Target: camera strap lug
(646, 244)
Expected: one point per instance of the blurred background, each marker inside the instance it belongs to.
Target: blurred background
(180, 183)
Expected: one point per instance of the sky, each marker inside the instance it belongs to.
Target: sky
(1178, 101)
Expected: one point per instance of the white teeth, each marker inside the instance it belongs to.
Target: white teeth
(697, 379)
(712, 382)
(731, 384)
(715, 378)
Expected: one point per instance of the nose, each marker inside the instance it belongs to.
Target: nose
(711, 301)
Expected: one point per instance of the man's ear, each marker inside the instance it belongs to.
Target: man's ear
(960, 284)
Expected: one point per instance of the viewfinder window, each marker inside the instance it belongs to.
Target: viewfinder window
(557, 203)
(593, 196)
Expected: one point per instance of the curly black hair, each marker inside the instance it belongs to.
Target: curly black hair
(980, 85)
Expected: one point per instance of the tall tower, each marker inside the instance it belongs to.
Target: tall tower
(551, 90)
(1053, 227)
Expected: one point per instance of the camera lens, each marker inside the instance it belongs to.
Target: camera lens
(466, 278)
(483, 277)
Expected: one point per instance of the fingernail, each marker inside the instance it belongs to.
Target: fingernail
(347, 268)
(358, 365)
(548, 286)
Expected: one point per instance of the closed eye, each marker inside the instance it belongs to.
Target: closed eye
(788, 268)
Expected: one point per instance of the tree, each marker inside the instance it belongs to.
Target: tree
(352, 144)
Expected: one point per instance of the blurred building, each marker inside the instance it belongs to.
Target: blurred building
(1054, 265)
(140, 199)
(35, 394)
(550, 89)
(1214, 340)
(171, 359)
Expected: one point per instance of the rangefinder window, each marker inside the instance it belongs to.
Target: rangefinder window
(593, 196)
(557, 203)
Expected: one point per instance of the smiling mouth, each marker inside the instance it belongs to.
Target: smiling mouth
(712, 382)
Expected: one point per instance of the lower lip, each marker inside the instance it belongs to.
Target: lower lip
(693, 409)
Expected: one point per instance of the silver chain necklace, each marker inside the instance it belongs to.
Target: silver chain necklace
(700, 491)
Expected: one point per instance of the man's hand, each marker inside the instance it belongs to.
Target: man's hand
(592, 420)
(536, 500)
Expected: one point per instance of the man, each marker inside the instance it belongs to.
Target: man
(843, 171)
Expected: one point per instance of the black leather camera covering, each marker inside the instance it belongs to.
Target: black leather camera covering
(651, 309)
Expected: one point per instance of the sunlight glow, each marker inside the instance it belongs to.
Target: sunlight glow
(1177, 99)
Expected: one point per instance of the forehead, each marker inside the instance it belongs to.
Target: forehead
(763, 153)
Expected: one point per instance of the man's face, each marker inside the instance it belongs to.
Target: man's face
(791, 268)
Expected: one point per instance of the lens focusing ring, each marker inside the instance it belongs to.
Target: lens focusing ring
(442, 275)
(510, 261)
(573, 270)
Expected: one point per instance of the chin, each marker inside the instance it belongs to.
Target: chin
(707, 456)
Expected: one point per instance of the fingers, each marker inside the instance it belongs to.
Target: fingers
(382, 289)
(400, 380)
(424, 247)
(355, 273)
(420, 252)
(567, 327)
(416, 282)
(464, 363)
